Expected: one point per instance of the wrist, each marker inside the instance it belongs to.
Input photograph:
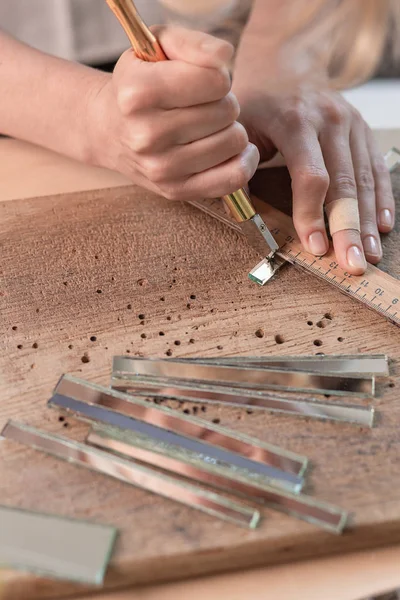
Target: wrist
(95, 119)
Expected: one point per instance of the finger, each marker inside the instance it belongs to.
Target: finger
(168, 85)
(164, 129)
(194, 47)
(335, 142)
(366, 192)
(385, 205)
(184, 161)
(224, 179)
(301, 149)
(195, 123)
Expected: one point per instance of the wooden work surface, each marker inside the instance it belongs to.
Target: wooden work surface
(74, 267)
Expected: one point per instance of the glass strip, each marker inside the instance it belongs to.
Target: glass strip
(54, 546)
(139, 448)
(361, 364)
(134, 474)
(253, 378)
(96, 413)
(188, 426)
(301, 407)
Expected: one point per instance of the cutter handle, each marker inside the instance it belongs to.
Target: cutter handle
(144, 43)
(147, 48)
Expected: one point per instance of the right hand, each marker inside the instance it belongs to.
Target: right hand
(171, 126)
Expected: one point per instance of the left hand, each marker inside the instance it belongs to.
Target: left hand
(330, 153)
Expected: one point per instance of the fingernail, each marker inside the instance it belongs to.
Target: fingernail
(355, 258)
(386, 218)
(317, 243)
(371, 246)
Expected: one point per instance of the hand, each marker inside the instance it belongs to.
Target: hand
(330, 153)
(171, 126)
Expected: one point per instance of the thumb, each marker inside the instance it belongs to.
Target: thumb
(193, 47)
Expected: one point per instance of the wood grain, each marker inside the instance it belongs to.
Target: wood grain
(82, 266)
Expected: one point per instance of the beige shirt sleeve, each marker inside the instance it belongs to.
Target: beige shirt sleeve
(87, 31)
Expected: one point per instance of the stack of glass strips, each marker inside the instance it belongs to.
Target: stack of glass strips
(205, 466)
(301, 386)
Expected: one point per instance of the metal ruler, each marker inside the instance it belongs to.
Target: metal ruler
(375, 289)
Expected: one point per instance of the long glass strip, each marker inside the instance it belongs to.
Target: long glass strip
(254, 378)
(178, 459)
(139, 448)
(134, 474)
(188, 426)
(358, 364)
(95, 413)
(303, 407)
(53, 546)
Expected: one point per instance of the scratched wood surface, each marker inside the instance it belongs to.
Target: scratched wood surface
(86, 276)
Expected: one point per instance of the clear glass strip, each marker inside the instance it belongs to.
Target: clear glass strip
(362, 364)
(134, 474)
(188, 426)
(300, 506)
(179, 460)
(53, 546)
(96, 413)
(252, 378)
(301, 407)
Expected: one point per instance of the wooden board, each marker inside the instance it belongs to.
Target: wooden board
(83, 267)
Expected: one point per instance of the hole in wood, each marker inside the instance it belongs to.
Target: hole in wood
(169, 353)
(192, 296)
(317, 343)
(143, 336)
(340, 339)
(99, 291)
(161, 333)
(328, 316)
(20, 346)
(93, 338)
(14, 328)
(129, 307)
(216, 421)
(70, 347)
(177, 343)
(141, 317)
(35, 345)
(310, 323)
(260, 333)
(191, 341)
(85, 358)
(279, 339)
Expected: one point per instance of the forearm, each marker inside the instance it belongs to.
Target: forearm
(44, 99)
(277, 44)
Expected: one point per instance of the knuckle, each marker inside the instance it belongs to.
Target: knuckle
(135, 99)
(344, 183)
(220, 81)
(312, 179)
(239, 137)
(365, 180)
(295, 117)
(172, 192)
(335, 113)
(232, 107)
(143, 139)
(156, 169)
